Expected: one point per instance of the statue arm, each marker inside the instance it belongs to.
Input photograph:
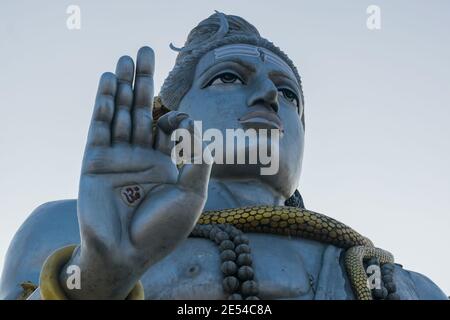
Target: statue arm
(49, 227)
(415, 286)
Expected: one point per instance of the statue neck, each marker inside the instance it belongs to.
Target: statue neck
(224, 193)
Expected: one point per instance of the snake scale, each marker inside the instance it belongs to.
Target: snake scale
(302, 223)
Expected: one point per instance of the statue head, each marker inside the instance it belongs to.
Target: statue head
(229, 77)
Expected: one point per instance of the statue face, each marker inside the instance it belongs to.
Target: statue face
(241, 87)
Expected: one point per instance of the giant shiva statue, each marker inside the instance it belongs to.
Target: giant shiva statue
(144, 227)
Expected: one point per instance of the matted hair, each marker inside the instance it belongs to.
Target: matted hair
(213, 32)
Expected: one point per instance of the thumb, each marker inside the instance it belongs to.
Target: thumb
(194, 174)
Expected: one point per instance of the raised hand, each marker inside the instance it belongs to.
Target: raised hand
(134, 205)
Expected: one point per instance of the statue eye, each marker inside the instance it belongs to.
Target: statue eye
(225, 78)
(290, 95)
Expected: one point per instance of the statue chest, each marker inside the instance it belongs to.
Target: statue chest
(284, 269)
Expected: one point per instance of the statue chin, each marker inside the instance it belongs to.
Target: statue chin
(275, 161)
(284, 182)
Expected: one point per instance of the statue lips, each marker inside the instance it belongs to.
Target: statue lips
(262, 119)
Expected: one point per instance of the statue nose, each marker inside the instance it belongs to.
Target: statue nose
(265, 93)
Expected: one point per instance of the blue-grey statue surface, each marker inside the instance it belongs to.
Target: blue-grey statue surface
(136, 208)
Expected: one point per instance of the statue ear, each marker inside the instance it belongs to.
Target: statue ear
(295, 200)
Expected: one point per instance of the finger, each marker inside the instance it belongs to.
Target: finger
(194, 175)
(164, 129)
(143, 98)
(121, 128)
(100, 128)
(125, 70)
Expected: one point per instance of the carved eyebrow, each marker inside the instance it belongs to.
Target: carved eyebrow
(282, 74)
(242, 63)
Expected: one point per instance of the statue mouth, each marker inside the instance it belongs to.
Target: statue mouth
(260, 119)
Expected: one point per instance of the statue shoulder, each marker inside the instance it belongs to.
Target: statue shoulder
(49, 227)
(415, 286)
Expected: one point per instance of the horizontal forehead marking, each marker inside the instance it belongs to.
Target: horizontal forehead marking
(248, 50)
(236, 49)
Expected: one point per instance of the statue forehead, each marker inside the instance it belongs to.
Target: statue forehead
(246, 52)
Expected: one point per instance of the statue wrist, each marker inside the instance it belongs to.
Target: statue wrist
(50, 283)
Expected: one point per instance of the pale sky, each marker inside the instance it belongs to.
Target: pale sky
(377, 105)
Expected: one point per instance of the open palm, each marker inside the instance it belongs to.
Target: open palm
(134, 205)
